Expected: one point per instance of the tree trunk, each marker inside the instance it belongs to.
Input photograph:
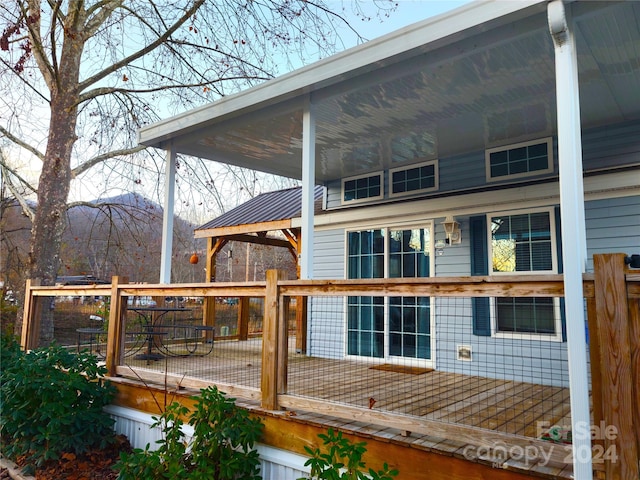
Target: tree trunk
(53, 190)
(55, 179)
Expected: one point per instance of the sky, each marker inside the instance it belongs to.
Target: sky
(408, 12)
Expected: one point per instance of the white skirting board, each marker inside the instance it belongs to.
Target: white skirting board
(276, 464)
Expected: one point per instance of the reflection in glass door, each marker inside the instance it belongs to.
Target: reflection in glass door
(409, 317)
(397, 253)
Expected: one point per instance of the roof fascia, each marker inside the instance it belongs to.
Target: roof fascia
(243, 229)
(447, 28)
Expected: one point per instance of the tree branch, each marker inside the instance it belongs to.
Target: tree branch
(105, 10)
(47, 70)
(109, 90)
(21, 143)
(142, 52)
(6, 175)
(101, 158)
(23, 80)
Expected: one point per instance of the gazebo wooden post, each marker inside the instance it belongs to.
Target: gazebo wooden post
(214, 245)
(243, 318)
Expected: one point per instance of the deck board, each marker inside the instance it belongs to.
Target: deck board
(497, 404)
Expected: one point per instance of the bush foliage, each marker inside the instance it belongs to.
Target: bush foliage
(52, 402)
(221, 447)
(342, 460)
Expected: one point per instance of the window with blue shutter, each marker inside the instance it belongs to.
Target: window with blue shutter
(524, 243)
(480, 306)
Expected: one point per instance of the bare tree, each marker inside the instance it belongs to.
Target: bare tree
(90, 73)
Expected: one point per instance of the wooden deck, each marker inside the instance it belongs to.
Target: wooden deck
(500, 405)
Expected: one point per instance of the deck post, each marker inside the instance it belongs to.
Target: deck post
(117, 316)
(634, 332)
(614, 343)
(270, 342)
(243, 318)
(31, 317)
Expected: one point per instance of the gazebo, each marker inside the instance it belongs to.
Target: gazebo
(272, 219)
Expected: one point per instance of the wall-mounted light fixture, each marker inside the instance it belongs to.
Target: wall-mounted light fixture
(452, 230)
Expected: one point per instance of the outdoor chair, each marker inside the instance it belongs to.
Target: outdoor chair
(93, 333)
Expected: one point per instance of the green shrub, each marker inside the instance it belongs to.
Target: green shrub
(343, 460)
(8, 313)
(52, 402)
(221, 447)
(10, 352)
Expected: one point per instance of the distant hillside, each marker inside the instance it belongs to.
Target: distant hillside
(121, 235)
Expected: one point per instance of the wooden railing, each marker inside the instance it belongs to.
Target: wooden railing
(612, 294)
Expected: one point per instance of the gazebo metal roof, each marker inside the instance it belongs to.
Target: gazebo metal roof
(267, 211)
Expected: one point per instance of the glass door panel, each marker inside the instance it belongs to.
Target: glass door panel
(409, 317)
(365, 324)
(404, 253)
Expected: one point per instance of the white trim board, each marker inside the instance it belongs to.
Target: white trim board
(613, 185)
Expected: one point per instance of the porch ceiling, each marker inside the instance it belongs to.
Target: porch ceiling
(477, 77)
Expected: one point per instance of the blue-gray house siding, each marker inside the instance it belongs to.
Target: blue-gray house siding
(612, 223)
(604, 148)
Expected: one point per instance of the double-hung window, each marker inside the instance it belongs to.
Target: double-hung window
(524, 243)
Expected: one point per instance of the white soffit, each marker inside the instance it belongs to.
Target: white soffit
(477, 77)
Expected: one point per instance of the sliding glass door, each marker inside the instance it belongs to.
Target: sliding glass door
(394, 326)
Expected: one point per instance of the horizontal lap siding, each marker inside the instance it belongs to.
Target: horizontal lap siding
(611, 146)
(540, 362)
(328, 254)
(602, 148)
(454, 261)
(334, 193)
(461, 172)
(613, 226)
(326, 318)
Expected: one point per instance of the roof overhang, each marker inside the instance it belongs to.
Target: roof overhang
(477, 77)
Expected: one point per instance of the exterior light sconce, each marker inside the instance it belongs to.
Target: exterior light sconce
(452, 230)
(632, 260)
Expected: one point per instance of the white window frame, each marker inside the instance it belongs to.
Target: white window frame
(557, 336)
(409, 167)
(362, 200)
(549, 169)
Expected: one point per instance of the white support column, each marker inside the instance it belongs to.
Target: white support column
(167, 219)
(574, 251)
(308, 187)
